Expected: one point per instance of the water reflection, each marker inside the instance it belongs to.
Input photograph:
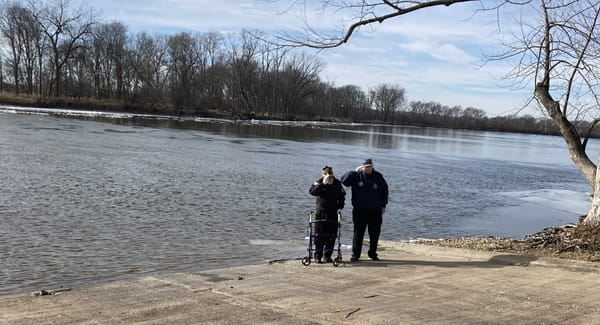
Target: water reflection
(461, 143)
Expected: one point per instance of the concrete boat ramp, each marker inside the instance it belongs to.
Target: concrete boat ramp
(412, 284)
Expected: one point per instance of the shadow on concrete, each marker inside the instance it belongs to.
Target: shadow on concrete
(494, 262)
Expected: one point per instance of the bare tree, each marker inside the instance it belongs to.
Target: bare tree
(297, 81)
(108, 50)
(116, 33)
(184, 66)
(387, 99)
(23, 36)
(64, 26)
(212, 69)
(33, 39)
(473, 113)
(453, 111)
(273, 91)
(12, 19)
(559, 54)
(242, 59)
(349, 101)
(149, 64)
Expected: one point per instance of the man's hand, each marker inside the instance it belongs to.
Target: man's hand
(382, 211)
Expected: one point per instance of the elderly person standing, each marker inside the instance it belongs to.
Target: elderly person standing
(369, 199)
(330, 198)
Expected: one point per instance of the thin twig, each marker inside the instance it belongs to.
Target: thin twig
(352, 312)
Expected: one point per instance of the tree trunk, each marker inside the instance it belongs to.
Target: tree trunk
(593, 216)
(57, 72)
(570, 134)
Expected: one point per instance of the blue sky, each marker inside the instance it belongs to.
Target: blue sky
(435, 55)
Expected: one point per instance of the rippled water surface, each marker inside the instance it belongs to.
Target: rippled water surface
(91, 199)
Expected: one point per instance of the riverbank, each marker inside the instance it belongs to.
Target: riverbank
(506, 124)
(412, 284)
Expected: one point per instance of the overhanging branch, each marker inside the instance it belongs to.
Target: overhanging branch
(589, 132)
(331, 42)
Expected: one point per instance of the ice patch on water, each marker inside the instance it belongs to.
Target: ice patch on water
(71, 112)
(562, 200)
(533, 211)
(122, 115)
(272, 242)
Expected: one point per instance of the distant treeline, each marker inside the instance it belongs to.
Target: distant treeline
(59, 54)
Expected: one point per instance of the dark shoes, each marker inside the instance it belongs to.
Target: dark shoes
(327, 260)
(374, 257)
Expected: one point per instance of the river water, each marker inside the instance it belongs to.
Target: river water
(85, 199)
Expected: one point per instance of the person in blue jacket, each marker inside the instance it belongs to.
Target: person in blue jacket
(330, 198)
(369, 199)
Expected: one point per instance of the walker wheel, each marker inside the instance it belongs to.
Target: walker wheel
(337, 261)
(306, 261)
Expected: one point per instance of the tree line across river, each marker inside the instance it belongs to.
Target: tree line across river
(61, 55)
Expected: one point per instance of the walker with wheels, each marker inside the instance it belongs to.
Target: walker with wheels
(312, 236)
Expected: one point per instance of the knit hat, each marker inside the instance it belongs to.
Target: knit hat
(327, 170)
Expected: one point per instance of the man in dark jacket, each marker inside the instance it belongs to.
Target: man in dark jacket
(369, 199)
(330, 197)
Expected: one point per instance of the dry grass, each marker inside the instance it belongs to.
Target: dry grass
(61, 102)
(108, 105)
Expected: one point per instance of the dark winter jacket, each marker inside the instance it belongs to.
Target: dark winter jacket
(330, 197)
(369, 191)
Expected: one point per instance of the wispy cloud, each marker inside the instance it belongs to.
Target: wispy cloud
(443, 52)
